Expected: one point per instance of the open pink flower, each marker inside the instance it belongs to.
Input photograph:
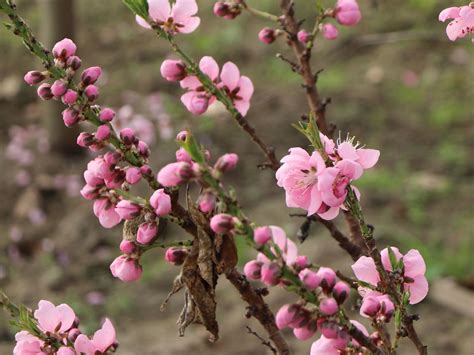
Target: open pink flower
(176, 18)
(414, 269)
(299, 176)
(105, 211)
(54, 319)
(102, 340)
(238, 88)
(126, 269)
(27, 344)
(463, 21)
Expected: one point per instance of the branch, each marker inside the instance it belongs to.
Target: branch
(264, 342)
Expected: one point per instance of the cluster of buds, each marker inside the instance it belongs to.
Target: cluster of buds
(228, 9)
(59, 334)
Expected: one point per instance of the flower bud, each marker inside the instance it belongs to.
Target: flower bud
(44, 92)
(59, 88)
(289, 315)
(301, 262)
(72, 334)
(74, 62)
(347, 12)
(85, 139)
(102, 133)
(199, 104)
(127, 135)
(91, 75)
(329, 31)
(267, 35)
(370, 307)
(127, 247)
(222, 223)
(173, 70)
(328, 278)
(143, 149)
(34, 77)
(133, 175)
(386, 307)
(328, 306)
(176, 256)
(181, 136)
(221, 9)
(161, 202)
(112, 158)
(175, 174)
(310, 279)
(303, 36)
(106, 115)
(252, 270)
(304, 333)
(271, 274)
(341, 292)
(262, 235)
(89, 192)
(64, 49)
(70, 97)
(126, 269)
(206, 202)
(91, 92)
(146, 170)
(329, 329)
(70, 117)
(183, 155)
(147, 233)
(128, 210)
(226, 162)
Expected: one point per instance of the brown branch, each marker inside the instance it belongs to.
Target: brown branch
(355, 233)
(364, 340)
(262, 340)
(413, 335)
(259, 309)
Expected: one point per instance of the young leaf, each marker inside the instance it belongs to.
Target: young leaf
(192, 147)
(138, 7)
(393, 259)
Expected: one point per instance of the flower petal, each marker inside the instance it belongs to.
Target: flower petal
(230, 75)
(450, 12)
(190, 25)
(418, 289)
(190, 83)
(414, 263)
(66, 315)
(365, 270)
(142, 22)
(242, 106)
(210, 67)
(386, 258)
(104, 337)
(159, 9)
(368, 157)
(246, 88)
(184, 9)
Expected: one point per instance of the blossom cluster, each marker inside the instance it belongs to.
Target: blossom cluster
(59, 334)
(462, 22)
(318, 183)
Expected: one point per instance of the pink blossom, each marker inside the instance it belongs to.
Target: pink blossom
(27, 344)
(270, 274)
(147, 232)
(91, 75)
(128, 210)
(288, 249)
(54, 319)
(173, 70)
(310, 279)
(176, 18)
(329, 31)
(133, 175)
(64, 49)
(348, 150)
(70, 117)
(226, 163)
(347, 12)
(206, 202)
(183, 155)
(127, 247)
(289, 315)
(333, 182)
(105, 211)
(70, 97)
(102, 340)
(299, 176)
(376, 305)
(103, 133)
(304, 36)
(304, 333)
(161, 202)
(253, 270)
(59, 88)
(328, 306)
(91, 92)
(106, 115)
(413, 272)
(463, 21)
(222, 223)
(175, 174)
(262, 235)
(126, 268)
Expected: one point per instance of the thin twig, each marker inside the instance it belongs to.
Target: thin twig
(263, 341)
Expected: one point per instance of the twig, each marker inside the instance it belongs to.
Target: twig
(264, 342)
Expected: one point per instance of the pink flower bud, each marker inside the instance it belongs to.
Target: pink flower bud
(133, 175)
(176, 256)
(310, 279)
(127, 247)
(328, 278)
(127, 135)
(106, 115)
(147, 233)
(341, 292)
(58, 88)
(199, 104)
(143, 149)
(70, 117)
(386, 307)
(173, 70)
(146, 170)
(370, 307)
(74, 62)
(329, 329)
(72, 334)
(126, 269)
(102, 133)
(301, 262)
(175, 174)
(91, 75)
(206, 202)
(267, 35)
(64, 49)
(303, 36)
(289, 315)
(181, 136)
(44, 92)
(262, 235)
(226, 162)
(89, 192)
(34, 77)
(128, 210)
(84, 139)
(91, 92)
(221, 9)
(329, 31)
(183, 155)
(328, 306)
(271, 274)
(111, 158)
(252, 270)
(161, 202)
(70, 97)
(347, 12)
(303, 333)
(222, 223)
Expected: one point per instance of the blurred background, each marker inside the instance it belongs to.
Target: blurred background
(396, 83)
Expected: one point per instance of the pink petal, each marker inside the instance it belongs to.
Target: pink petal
(184, 9)
(450, 12)
(317, 161)
(365, 270)
(418, 289)
(47, 315)
(347, 151)
(209, 67)
(414, 264)
(246, 88)
(159, 9)
(467, 15)
(326, 179)
(230, 75)
(330, 214)
(456, 29)
(66, 315)
(187, 98)
(142, 22)
(190, 83)
(316, 201)
(109, 218)
(368, 157)
(350, 168)
(190, 25)
(324, 346)
(287, 246)
(242, 106)
(104, 337)
(386, 258)
(84, 345)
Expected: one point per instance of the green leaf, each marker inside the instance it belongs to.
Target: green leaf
(138, 7)
(192, 147)
(398, 318)
(393, 259)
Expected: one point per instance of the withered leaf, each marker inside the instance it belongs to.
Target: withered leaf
(226, 254)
